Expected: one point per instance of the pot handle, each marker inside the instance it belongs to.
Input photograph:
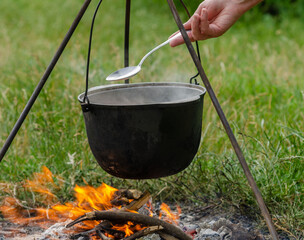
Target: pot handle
(85, 98)
(196, 45)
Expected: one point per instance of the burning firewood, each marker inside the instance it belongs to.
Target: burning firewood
(134, 217)
(125, 196)
(103, 200)
(104, 229)
(102, 236)
(129, 193)
(106, 226)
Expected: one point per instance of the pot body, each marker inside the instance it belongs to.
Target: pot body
(142, 131)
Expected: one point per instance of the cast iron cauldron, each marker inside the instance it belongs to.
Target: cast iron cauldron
(146, 130)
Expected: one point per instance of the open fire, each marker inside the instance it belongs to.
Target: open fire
(87, 199)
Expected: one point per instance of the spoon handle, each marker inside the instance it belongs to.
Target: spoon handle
(156, 48)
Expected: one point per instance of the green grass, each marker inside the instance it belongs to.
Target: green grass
(256, 70)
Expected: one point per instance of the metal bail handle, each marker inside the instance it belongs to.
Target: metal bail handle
(196, 45)
(85, 105)
(85, 98)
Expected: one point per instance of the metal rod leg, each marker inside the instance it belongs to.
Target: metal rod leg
(225, 123)
(127, 34)
(43, 80)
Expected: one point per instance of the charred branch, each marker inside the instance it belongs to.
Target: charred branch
(106, 226)
(102, 236)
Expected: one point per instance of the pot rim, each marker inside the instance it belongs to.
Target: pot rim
(97, 89)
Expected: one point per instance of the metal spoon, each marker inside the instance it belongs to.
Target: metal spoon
(127, 72)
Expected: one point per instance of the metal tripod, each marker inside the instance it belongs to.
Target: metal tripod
(202, 74)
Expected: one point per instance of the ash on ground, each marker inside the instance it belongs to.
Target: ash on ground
(213, 224)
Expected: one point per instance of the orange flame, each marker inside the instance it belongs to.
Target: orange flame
(88, 199)
(169, 215)
(42, 183)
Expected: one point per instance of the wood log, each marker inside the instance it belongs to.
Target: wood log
(123, 198)
(131, 193)
(127, 193)
(137, 204)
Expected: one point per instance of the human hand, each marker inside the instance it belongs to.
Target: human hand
(213, 18)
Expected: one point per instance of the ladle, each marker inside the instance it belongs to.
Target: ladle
(127, 72)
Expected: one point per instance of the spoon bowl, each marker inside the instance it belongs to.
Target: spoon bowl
(124, 73)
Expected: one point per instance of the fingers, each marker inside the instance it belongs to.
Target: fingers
(199, 26)
(204, 23)
(193, 25)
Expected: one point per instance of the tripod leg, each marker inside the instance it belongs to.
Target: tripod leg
(225, 123)
(43, 80)
(127, 34)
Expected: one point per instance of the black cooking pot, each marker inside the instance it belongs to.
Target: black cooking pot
(147, 130)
